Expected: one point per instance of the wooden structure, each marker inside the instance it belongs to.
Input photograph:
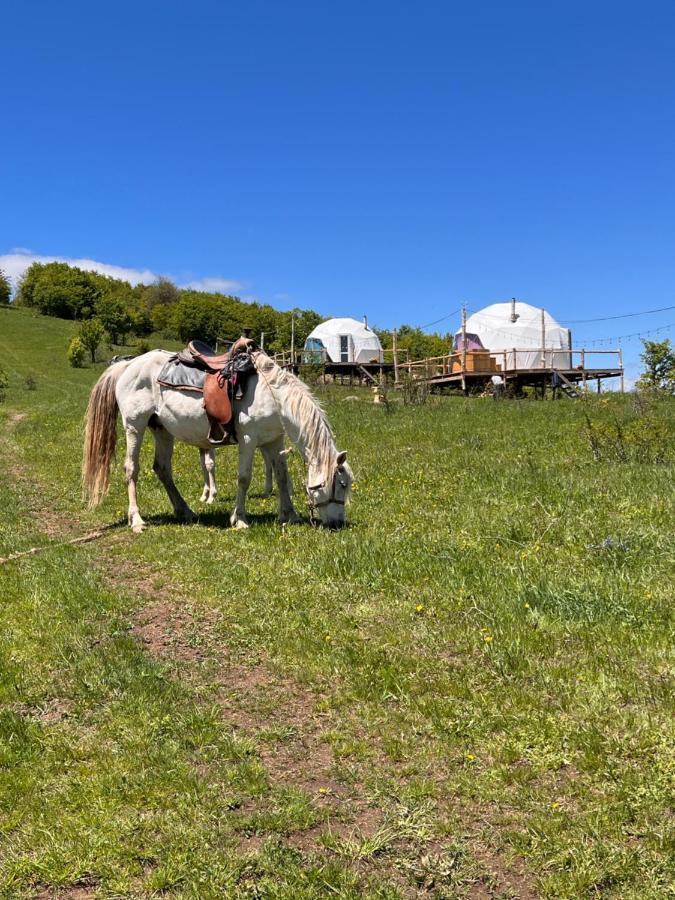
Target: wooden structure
(373, 372)
(472, 370)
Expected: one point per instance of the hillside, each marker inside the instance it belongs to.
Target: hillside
(466, 693)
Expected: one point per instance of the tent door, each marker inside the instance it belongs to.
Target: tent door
(344, 348)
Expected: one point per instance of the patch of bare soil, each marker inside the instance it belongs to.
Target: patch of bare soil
(511, 879)
(67, 893)
(162, 628)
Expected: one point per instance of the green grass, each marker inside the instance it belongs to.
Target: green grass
(479, 681)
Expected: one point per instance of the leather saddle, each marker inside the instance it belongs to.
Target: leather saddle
(224, 376)
(202, 356)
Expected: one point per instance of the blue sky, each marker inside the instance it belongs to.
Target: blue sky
(394, 159)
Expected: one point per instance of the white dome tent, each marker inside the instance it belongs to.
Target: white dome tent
(343, 340)
(517, 326)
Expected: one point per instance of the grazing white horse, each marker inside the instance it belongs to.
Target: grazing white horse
(207, 459)
(275, 403)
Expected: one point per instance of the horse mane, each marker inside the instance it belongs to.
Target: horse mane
(300, 404)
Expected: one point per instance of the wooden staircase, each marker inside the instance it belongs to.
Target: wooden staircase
(567, 387)
(368, 376)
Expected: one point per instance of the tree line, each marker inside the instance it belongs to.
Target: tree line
(112, 307)
(58, 289)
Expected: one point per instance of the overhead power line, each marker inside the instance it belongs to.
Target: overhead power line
(442, 319)
(644, 312)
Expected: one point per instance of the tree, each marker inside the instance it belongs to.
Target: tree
(91, 334)
(115, 316)
(5, 288)
(659, 361)
(57, 289)
(162, 293)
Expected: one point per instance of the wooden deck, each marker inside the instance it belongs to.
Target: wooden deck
(520, 378)
(472, 371)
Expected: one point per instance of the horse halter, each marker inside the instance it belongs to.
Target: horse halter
(338, 495)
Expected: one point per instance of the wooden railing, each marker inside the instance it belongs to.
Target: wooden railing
(507, 361)
(320, 357)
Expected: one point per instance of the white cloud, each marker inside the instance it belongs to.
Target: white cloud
(15, 263)
(220, 285)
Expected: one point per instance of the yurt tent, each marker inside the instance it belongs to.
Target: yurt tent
(343, 341)
(518, 326)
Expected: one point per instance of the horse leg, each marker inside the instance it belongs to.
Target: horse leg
(269, 467)
(162, 469)
(208, 461)
(131, 469)
(287, 511)
(246, 451)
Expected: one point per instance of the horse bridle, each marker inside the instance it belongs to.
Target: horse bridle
(338, 495)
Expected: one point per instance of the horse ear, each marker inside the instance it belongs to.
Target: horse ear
(342, 458)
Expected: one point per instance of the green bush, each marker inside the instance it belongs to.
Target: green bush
(76, 353)
(4, 381)
(91, 334)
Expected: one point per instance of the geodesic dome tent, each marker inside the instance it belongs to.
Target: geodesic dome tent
(518, 326)
(343, 340)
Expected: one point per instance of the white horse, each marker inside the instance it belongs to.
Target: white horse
(207, 459)
(275, 403)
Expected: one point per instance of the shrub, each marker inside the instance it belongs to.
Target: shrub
(142, 347)
(643, 434)
(91, 334)
(415, 392)
(29, 382)
(4, 381)
(76, 353)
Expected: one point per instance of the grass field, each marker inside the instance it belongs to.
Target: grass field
(466, 693)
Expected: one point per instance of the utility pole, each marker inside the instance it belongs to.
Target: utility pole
(395, 352)
(292, 339)
(464, 348)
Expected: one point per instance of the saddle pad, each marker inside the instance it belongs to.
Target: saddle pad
(181, 377)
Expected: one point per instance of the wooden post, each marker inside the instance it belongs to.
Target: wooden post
(598, 385)
(394, 336)
(583, 368)
(463, 339)
(292, 339)
(543, 338)
(262, 340)
(621, 367)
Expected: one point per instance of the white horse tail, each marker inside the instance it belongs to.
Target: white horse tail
(100, 435)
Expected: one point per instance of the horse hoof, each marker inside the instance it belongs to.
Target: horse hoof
(239, 524)
(138, 528)
(204, 498)
(210, 501)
